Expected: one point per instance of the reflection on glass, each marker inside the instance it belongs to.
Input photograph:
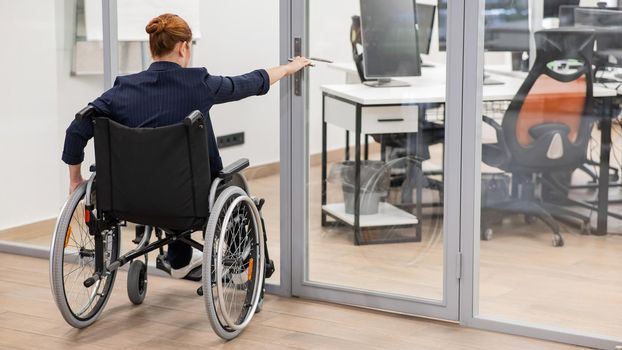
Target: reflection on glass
(376, 185)
(550, 186)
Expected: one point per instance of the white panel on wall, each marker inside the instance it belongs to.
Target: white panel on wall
(240, 36)
(133, 16)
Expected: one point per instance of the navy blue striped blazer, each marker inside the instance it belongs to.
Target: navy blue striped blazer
(163, 95)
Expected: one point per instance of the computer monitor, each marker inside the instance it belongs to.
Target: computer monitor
(552, 7)
(425, 23)
(389, 38)
(506, 25)
(608, 26)
(566, 13)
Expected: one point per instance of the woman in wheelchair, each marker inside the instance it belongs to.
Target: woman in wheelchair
(158, 165)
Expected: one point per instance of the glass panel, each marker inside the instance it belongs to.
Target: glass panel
(215, 49)
(376, 225)
(550, 175)
(52, 73)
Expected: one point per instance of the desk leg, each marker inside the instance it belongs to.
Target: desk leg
(347, 145)
(603, 176)
(419, 172)
(366, 147)
(383, 149)
(323, 159)
(357, 177)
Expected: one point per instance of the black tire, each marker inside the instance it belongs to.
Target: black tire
(137, 282)
(218, 222)
(69, 241)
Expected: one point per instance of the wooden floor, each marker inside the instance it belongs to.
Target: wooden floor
(522, 278)
(172, 317)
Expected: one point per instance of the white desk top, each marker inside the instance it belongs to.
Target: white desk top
(430, 87)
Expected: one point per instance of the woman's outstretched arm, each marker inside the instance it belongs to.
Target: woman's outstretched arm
(228, 89)
(278, 73)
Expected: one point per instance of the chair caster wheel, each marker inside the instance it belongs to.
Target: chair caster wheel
(200, 291)
(530, 219)
(558, 241)
(137, 282)
(487, 234)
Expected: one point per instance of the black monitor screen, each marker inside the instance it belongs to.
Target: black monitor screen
(606, 22)
(389, 38)
(552, 7)
(425, 23)
(506, 27)
(566, 15)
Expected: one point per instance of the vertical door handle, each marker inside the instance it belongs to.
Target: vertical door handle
(298, 75)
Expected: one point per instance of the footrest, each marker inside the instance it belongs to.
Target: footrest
(269, 268)
(162, 264)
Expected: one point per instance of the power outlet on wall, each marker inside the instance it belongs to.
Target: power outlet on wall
(225, 141)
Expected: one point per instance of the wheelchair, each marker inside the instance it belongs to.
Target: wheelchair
(160, 178)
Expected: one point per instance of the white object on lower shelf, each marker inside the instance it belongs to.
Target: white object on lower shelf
(388, 215)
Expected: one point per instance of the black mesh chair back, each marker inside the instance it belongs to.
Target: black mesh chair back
(548, 123)
(153, 176)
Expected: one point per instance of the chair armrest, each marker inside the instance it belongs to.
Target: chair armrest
(233, 168)
(86, 112)
(495, 154)
(498, 130)
(194, 117)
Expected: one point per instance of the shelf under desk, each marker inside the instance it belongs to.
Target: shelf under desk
(388, 216)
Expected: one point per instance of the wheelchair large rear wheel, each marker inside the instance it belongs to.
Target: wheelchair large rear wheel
(234, 262)
(72, 261)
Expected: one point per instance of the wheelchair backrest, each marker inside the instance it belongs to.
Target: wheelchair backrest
(153, 176)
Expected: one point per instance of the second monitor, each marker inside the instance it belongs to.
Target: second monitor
(390, 41)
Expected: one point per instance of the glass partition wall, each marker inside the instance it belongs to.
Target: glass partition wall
(548, 233)
(379, 138)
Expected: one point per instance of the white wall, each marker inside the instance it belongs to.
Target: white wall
(238, 37)
(28, 124)
(39, 100)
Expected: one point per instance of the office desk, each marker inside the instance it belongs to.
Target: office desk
(365, 110)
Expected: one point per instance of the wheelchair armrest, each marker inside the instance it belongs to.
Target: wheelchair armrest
(233, 168)
(86, 112)
(194, 117)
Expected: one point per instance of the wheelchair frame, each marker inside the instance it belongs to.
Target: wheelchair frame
(98, 224)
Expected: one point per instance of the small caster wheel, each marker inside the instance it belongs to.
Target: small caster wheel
(530, 219)
(137, 282)
(487, 234)
(586, 229)
(200, 291)
(558, 241)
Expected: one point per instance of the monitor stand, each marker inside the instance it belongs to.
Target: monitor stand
(381, 83)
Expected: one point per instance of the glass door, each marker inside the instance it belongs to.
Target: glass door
(543, 169)
(375, 154)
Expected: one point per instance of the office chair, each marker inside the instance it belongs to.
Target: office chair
(545, 130)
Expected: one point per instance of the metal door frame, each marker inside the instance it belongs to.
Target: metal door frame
(448, 307)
